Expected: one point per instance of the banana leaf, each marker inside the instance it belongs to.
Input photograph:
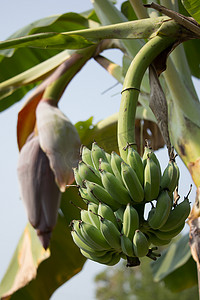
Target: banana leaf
(193, 7)
(176, 266)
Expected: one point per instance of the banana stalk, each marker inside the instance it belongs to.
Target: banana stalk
(131, 90)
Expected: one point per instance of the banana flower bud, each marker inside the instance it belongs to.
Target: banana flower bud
(45, 167)
(60, 141)
(39, 192)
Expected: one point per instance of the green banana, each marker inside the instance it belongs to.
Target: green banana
(127, 246)
(116, 161)
(85, 216)
(161, 212)
(114, 260)
(93, 236)
(86, 172)
(132, 183)
(101, 195)
(114, 187)
(83, 192)
(108, 156)
(149, 153)
(96, 154)
(165, 235)
(104, 165)
(135, 162)
(170, 177)
(140, 244)
(82, 245)
(105, 259)
(107, 213)
(151, 180)
(93, 214)
(177, 216)
(156, 241)
(130, 221)
(86, 156)
(111, 234)
(119, 213)
(77, 177)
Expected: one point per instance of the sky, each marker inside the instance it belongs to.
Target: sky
(83, 98)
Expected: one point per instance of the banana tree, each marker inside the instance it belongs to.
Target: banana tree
(158, 96)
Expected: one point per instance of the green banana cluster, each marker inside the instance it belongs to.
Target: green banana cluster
(116, 192)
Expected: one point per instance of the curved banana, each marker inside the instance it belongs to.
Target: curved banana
(91, 234)
(170, 177)
(140, 244)
(86, 172)
(86, 196)
(135, 162)
(96, 154)
(116, 161)
(101, 195)
(77, 177)
(82, 245)
(107, 213)
(111, 234)
(105, 259)
(156, 241)
(132, 183)
(130, 221)
(165, 235)
(149, 153)
(85, 216)
(92, 212)
(108, 156)
(114, 260)
(115, 188)
(127, 246)
(177, 216)
(104, 165)
(86, 156)
(151, 180)
(161, 212)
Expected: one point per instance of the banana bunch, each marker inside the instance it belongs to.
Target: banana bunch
(116, 192)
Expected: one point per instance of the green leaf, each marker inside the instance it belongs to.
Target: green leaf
(79, 39)
(193, 7)
(176, 260)
(51, 268)
(16, 61)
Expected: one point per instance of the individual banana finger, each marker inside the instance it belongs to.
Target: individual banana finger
(140, 244)
(104, 165)
(156, 241)
(77, 177)
(94, 237)
(86, 156)
(86, 172)
(135, 162)
(116, 161)
(101, 195)
(107, 213)
(161, 212)
(130, 221)
(166, 235)
(149, 153)
(170, 177)
(111, 234)
(97, 153)
(177, 216)
(93, 214)
(127, 246)
(132, 183)
(151, 180)
(87, 196)
(114, 187)
(105, 259)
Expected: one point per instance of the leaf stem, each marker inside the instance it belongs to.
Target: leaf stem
(131, 89)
